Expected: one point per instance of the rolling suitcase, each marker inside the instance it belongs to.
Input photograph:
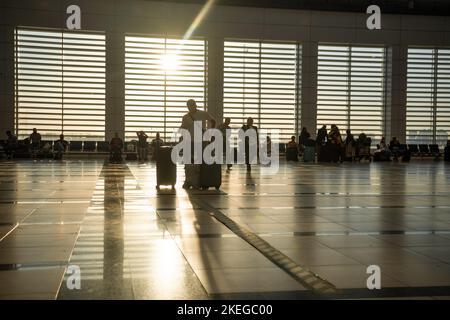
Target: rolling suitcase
(192, 173)
(335, 152)
(115, 157)
(203, 176)
(381, 156)
(166, 170)
(291, 154)
(310, 154)
(324, 154)
(210, 176)
(406, 156)
(131, 156)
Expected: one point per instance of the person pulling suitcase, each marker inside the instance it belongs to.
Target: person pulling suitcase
(187, 123)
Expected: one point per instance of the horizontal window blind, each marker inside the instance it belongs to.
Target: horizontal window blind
(420, 96)
(161, 74)
(428, 96)
(443, 97)
(60, 83)
(351, 88)
(261, 80)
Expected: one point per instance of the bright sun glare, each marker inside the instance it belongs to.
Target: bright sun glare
(169, 62)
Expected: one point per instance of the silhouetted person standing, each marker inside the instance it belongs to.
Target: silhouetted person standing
(142, 145)
(223, 127)
(188, 122)
(335, 139)
(349, 144)
(116, 146)
(156, 144)
(194, 115)
(321, 135)
(304, 135)
(320, 139)
(249, 126)
(11, 145)
(35, 139)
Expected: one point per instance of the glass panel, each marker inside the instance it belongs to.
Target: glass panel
(351, 88)
(261, 81)
(420, 96)
(160, 76)
(60, 83)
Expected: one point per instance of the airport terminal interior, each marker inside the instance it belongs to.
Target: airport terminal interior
(92, 94)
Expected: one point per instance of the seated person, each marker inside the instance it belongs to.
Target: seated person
(292, 143)
(363, 146)
(60, 147)
(142, 145)
(362, 139)
(156, 144)
(115, 148)
(382, 153)
(394, 147)
(292, 150)
(11, 145)
(46, 149)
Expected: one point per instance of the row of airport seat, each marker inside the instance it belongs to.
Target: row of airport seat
(98, 146)
(421, 150)
(77, 146)
(424, 150)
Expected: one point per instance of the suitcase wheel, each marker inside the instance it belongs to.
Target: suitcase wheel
(217, 187)
(157, 187)
(173, 187)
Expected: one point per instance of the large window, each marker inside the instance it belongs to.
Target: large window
(261, 80)
(428, 96)
(351, 88)
(160, 76)
(60, 83)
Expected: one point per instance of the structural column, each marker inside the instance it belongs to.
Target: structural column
(215, 77)
(6, 79)
(308, 96)
(115, 84)
(396, 84)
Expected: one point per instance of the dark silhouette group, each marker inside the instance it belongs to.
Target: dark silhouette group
(329, 146)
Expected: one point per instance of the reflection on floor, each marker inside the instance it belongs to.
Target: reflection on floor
(132, 242)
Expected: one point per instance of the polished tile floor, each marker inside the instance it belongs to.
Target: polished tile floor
(131, 241)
